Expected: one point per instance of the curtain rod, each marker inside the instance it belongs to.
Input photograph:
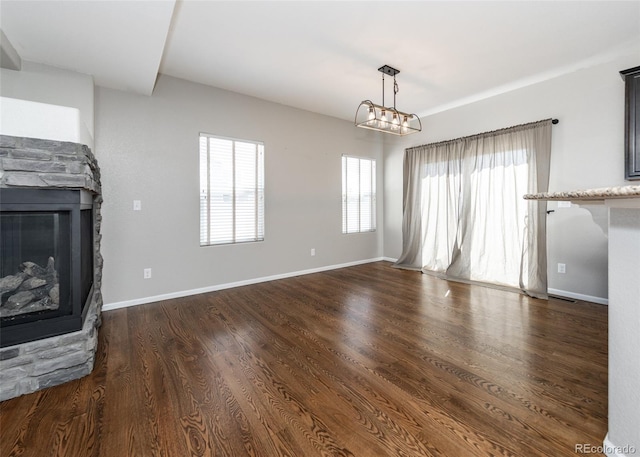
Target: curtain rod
(477, 135)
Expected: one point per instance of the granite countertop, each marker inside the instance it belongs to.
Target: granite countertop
(602, 193)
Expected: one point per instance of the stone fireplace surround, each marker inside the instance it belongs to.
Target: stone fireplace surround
(38, 163)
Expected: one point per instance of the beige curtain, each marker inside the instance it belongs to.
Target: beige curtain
(464, 217)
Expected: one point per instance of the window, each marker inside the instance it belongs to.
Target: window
(358, 195)
(464, 215)
(231, 190)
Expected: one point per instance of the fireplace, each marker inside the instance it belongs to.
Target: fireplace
(50, 263)
(46, 262)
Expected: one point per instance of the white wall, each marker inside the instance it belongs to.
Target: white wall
(624, 338)
(587, 152)
(45, 84)
(24, 118)
(147, 148)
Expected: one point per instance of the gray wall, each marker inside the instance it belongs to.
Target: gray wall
(158, 134)
(147, 148)
(587, 152)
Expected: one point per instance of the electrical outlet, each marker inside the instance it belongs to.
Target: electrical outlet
(562, 204)
(137, 205)
(147, 273)
(313, 252)
(562, 268)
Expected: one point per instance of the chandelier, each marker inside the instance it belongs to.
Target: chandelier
(383, 119)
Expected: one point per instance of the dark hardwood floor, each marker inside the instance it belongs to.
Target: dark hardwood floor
(362, 361)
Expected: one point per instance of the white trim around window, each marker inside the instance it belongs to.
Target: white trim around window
(231, 190)
(358, 194)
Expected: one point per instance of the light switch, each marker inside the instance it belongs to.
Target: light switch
(137, 205)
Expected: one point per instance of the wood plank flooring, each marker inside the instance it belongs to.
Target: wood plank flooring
(363, 361)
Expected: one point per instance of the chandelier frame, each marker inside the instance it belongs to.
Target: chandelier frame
(372, 116)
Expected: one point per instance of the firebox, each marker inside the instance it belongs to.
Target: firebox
(46, 262)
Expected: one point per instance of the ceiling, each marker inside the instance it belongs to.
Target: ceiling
(323, 56)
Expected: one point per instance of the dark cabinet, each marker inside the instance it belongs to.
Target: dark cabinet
(632, 122)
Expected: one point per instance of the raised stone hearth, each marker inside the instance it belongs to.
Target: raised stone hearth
(33, 288)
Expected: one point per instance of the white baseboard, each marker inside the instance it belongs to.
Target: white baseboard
(611, 450)
(590, 298)
(560, 293)
(202, 290)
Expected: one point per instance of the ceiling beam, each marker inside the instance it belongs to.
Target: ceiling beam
(9, 57)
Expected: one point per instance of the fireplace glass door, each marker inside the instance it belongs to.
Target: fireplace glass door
(46, 262)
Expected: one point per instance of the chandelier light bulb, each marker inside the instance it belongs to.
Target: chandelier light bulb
(372, 113)
(383, 117)
(405, 125)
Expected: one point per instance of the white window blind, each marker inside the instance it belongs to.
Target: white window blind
(231, 191)
(358, 195)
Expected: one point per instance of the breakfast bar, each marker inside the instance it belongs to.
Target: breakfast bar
(623, 437)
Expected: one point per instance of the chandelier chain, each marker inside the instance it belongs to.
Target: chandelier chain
(396, 89)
